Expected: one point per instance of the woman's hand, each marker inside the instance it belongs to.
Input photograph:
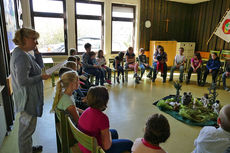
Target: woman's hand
(45, 76)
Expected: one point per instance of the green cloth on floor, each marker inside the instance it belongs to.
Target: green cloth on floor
(177, 116)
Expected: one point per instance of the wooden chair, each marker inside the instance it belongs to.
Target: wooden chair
(215, 51)
(224, 59)
(88, 142)
(61, 131)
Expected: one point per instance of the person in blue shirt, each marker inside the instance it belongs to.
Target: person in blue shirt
(213, 66)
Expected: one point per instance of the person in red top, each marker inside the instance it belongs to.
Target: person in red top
(95, 123)
(157, 130)
(195, 67)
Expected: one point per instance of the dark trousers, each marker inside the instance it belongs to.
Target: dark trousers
(120, 70)
(119, 145)
(214, 75)
(198, 71)
(155, 71)
(98, 73)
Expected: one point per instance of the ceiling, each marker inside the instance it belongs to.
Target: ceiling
(189, 1)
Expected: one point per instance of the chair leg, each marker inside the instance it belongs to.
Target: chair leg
(114, 74)
(126, 75)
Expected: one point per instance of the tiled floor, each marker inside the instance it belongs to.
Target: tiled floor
(128, 109)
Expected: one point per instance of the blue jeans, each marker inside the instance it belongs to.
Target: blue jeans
(181, 69)
(97, 73)
(224, 77)
(143, 68)
(119, 145)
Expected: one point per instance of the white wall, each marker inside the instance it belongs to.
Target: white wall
(71, 32)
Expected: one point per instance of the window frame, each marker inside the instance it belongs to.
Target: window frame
(52, 15)
(124, 19)
(90, 17)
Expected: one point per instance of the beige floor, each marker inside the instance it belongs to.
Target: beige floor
(129, 107)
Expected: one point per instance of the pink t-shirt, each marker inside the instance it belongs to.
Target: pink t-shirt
(195, 62)
(92, 122)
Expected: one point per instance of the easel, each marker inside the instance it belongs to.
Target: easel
(218, 26)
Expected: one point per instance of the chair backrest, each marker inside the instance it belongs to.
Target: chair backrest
(61, 131)
(215, 51)
(225, 54)
(88, 142)
(111, 60)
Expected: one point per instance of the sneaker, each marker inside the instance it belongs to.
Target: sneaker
(164, 80)
(118, 81)
(181, 81)
(123, 79)
(37, 149)
(170, 80)
(135, 75)
(137, 81)
(226, 88)
(109, 82)
(149, 76)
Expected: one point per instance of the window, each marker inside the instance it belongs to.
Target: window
(89, 23)
(49, 20)
(123, 27)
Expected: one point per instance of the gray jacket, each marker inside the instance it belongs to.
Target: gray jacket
(27, 82)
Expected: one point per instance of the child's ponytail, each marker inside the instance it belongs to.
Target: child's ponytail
(57, 95)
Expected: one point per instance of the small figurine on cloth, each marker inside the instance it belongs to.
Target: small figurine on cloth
(205, 100)
(216, 107)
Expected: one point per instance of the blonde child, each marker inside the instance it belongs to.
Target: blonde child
(64, 89)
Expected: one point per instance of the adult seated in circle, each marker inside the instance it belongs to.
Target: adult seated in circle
(94, 122)
(26, 72)
(178, 64)
(131, 63)
(89, 68)
(213, 67)
(159, 63)
(195, 67)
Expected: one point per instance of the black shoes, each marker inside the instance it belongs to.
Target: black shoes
(36, 149)
(118, 81)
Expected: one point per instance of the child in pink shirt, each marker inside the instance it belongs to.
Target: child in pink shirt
(157, 130)
(95, 123)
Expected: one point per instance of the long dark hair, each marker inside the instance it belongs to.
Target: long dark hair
(198, 56)
(121, 55)
(98, 54)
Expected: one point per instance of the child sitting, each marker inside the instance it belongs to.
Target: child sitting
(143, 64)
(94, 62)
(95, 123)
(212, 66)
(131, 63)
(102, 62)
(195, 67)
(118, 65)
(157, 130)
(215, 140)
(64, 89)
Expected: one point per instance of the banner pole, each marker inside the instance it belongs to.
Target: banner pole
(218, 26)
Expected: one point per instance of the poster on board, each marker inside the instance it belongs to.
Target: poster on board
(11, 23)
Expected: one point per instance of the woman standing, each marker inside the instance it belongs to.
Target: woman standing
(27, 86)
